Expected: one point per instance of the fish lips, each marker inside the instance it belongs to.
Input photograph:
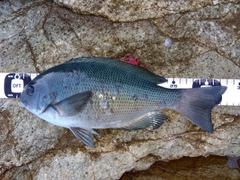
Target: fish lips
(23, 101)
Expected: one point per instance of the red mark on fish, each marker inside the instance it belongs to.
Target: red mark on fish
(131, 60)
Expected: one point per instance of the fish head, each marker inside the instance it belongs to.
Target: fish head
(36, 97)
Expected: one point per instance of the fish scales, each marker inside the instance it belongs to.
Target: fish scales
(124, 102)
(84, 94)
(102, 83)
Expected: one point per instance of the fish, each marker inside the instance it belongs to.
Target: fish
(85, 94)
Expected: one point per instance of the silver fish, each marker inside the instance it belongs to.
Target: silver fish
(84, 94)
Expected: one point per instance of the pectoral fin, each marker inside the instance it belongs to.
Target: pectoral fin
(73, 104)
(84, 135)
(150, 121)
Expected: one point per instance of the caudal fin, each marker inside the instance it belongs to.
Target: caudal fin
(197, 103)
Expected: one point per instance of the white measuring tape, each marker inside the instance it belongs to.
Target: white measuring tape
(230, 98)
(12, 84)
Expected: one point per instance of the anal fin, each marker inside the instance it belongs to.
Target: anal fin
(150, 121)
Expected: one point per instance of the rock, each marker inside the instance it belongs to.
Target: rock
(117, 10)
(212, 167)
(36, 35)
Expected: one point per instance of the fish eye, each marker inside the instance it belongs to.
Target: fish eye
(30, 90)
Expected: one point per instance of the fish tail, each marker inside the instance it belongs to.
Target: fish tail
(196, 104)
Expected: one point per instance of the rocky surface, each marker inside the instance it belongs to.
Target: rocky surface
(197, 168)
(36, 35)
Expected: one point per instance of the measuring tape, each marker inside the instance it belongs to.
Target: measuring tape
(12, 84)
(230, 98)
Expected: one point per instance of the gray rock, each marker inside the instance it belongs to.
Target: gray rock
(36, 35)
(117, 10)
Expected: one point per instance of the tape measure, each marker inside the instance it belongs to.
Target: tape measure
(12, 84)
(230, 98)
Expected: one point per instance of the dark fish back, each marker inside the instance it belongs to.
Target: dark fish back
(107, 70)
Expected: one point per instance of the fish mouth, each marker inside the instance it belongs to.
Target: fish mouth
(24, 103)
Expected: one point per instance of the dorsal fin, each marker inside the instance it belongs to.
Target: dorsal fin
(141, 72)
